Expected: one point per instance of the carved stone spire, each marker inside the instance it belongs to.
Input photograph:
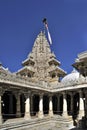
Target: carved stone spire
(41, 63)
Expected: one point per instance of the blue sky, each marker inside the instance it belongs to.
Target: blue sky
(21, 22)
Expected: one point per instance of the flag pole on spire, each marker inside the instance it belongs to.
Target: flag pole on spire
(46, 26)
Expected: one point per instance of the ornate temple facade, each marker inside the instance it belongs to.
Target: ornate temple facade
(42, 88)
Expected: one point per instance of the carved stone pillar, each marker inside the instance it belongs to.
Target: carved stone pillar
(18, 110)
(86, 104)
(64, 105)
(27, 106)
(81, 105)
(31, 104)
(50, 106)
(40, 114)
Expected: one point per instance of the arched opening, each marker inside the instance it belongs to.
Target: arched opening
(22, 103)
(61, 105)
(54, 100)
(45, 104)
(75, 105)
(35, 104)
(8, 105)
(69, 104)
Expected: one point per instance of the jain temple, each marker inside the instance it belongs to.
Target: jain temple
(42, 94)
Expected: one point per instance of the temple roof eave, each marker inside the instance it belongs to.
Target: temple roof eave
(82, 55)
(59, 71)
(26, 69)
(27, 61)
(18, 85)
(19, 81)
(69, 87)
(80, 64)
(75, 65)
(34, 86)
(56, 62)
(4, 70)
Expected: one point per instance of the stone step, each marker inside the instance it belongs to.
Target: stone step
(21, 123)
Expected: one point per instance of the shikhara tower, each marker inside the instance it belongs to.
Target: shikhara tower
(41, 64)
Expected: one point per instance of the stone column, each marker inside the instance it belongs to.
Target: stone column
(81, 105)
(86, 104)
(40, 114)
(64, 105)
(27, 106)
(31, 104)
(50, 106)
(18, 111)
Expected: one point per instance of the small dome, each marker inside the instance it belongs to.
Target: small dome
(71, 78)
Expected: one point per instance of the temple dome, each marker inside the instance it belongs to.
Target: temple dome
(71, 78)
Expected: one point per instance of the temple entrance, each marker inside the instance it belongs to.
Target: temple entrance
(8, 105)
(45, 104)
(55, 101)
